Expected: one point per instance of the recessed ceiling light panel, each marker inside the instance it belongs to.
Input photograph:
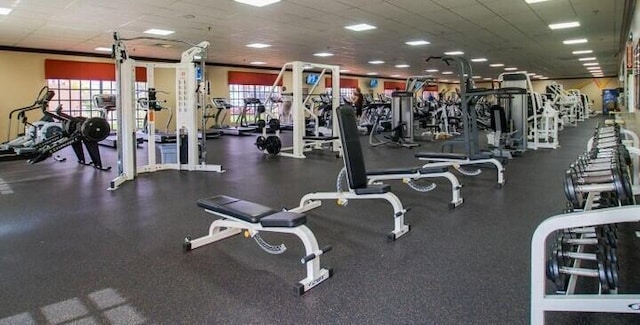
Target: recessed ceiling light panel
(372, 74)
(575, 41)
(402, 65)
(582, 52)
(417, 43)
(496, 65)
(570, 24)
(431, 70)
(360, 27)
(323, 54)
(511, 69)
(454, 53)
(258, 3)
(479, 60)
(447, 72)
(590, 64)
(161, 32)
(258, 45)
(593, 58)
(258, 63)
(534, 1)
(5, 11)
(103, 49)
(376, 62)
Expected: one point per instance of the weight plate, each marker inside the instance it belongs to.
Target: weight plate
(95, 129)
(261, 143)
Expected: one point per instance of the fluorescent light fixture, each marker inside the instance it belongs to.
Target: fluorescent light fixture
(431, 70)
(590, 64)
(161, 32)
(417, 43)
(496, 65)
(582, 52)
(444, 80)
(570, 24)
(372, 73)
(402, 65)
(258, 3)
(5, 11)
(258, 63)
(447, 72)
(487, 79)
(454, 53)
(544, 78)
(103, 49)
(360, 27)
(479, 60)
(510, 69)
(376, 62)
(593, 58)
(535, 1)
(521, 71)
(531, 74)
(344, 70)
(258, 45)
(593, 68)
(477, 77)
(395, 76)
(323, 54)
(575, 41)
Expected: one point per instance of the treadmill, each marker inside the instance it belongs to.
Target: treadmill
(107, 104)
(223, 107)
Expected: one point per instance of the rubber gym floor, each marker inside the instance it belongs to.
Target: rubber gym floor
(72, 252)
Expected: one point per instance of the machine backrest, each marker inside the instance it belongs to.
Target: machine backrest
(498, 118)
(352, 151)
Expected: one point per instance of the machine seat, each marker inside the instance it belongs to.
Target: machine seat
(252, 212)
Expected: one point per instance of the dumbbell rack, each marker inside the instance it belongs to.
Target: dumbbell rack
(605, 303)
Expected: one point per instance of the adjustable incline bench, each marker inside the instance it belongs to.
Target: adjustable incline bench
(238, 215)
(357, 177)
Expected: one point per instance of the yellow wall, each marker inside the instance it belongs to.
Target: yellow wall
(592, 87)
(22, 76)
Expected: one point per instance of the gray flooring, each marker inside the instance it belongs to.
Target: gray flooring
(72, 252)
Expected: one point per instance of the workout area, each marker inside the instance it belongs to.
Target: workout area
(319, 162)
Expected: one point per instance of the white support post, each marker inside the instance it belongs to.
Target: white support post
(335, 103)
(125, 107)
(298, 112)
(151, 119)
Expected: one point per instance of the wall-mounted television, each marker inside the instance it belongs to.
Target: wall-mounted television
(373, 83)
(312, 79)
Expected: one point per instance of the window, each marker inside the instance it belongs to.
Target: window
(237, 94)
(76, 98)
(345, 93)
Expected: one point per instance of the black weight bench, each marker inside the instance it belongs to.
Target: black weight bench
(359, 187)
(238, 215)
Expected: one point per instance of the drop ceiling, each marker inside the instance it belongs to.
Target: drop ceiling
(511, 32)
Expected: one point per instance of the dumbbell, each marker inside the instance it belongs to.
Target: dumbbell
(602, 238)
(606, 273)
(575, 185)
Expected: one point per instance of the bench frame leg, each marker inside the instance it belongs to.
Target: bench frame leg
(228, 227)
(435, 162)
(456, 197)
(312, 201)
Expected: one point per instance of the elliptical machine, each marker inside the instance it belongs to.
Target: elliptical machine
(33, 133)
